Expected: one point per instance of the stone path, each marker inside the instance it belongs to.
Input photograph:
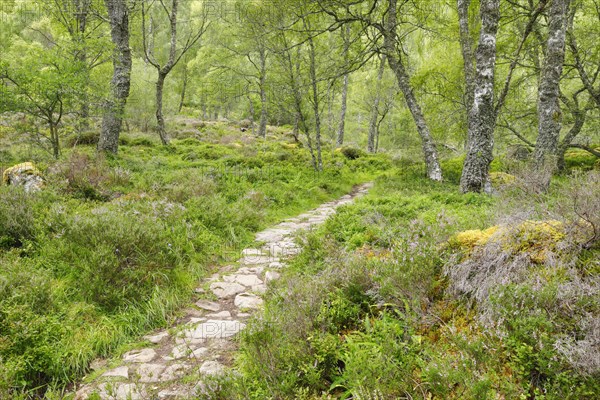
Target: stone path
(202, 342)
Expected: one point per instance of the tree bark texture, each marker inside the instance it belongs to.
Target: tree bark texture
(112, 121)
(549, 112)
(482, 116)
(434, 171)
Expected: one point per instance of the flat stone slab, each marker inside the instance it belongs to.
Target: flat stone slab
(173, 372)
(224, 290)
(256, 260)
(261, 289)
(271, 276)
(139, 356)
(215, 329)
(119, 372)
(246, 280)
(220, 315)
(248, 301)
(251, 270)
(157, 338)
(170, 394)
(212, 368)
(252, 252)
(121, 391)
(150, 373)
(186, 350)
(208, 305)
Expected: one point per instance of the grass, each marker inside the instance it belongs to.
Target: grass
(368, 310)
(112, 247)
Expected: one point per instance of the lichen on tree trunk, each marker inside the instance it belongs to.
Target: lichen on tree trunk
(549, 112)
(482, 116)
(112, 121)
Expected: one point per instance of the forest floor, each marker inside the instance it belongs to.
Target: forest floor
(202, 342)
(412, 291)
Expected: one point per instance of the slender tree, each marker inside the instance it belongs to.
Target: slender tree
(549, 112)
(118, 15)
(173, 58)
(482, 116)
(466, 46)
(374, 121)
(394, 57)
(342, 126)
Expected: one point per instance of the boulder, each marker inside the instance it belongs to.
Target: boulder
(24, 174)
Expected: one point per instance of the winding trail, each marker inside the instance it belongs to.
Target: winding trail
(202, 342)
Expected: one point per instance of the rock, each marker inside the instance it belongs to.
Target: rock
(256, 260)
(276, 265)
(283, 250)
(248, 301)
(252, 252)
(271, 276)
(250, 270)
(157, 338)
(186, 351)
(208, 305)
(214, 329)
(150, 373)
(261, 289)
(139, 356)
(246, 280)
(24, 174)
(169, 394)
(224, 290)
(212, 368)
(219, 315)
(173, 372)
(119, 372)
(128, 391)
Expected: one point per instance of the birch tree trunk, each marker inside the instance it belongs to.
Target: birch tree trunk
(434, 171)
(467, 53)
(164, 70)
(160, 120)
(184, 88)
(482, 117)
(112, 121)
(316, 103)
(340, 134)
(549, 113)
(373, 125)
(262, 128)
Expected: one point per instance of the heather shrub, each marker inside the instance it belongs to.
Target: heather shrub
(89, 178)
(17, 216)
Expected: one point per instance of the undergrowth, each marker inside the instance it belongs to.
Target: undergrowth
(370, 309)
(112, 247)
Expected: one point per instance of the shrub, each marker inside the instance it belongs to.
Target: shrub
(118, 257)
(17, 220)
(90, 178)
(352, 153)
